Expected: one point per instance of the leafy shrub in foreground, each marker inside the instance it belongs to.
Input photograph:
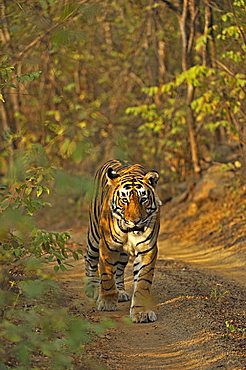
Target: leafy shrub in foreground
(35, 331)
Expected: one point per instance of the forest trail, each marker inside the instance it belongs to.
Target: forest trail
(195, 294)
(160, 83)
(199, 291)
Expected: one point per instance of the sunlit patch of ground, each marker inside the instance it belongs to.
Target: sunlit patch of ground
(192, 307)
(214, 237)
(199, 286)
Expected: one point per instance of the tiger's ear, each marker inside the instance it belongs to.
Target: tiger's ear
(152, 178)
(112, 175)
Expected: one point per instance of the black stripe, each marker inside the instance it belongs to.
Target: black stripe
(146, 264)
(147, 250)
(107, 289)
(92, 247)
(112, 236)
(104, 273)
(148, 281)
(110, 263)
(92, 266)
(148, 238)
(90, 256)
(114, 229)
(123, 263)
(145, 272)
(94, 229)
(136, 307)
(106, 244)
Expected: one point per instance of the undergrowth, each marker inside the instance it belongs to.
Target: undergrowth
(35, 330)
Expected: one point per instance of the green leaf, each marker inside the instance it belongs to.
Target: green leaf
(75, 256)
(29, 77)
(39, 191)
(28, 190)
(63, 268)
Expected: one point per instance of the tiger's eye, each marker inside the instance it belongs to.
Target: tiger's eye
(124, 200)
(144, 199)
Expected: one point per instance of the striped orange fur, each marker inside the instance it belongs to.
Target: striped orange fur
(124, 220)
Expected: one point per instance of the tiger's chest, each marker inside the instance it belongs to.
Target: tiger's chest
(131, 242)
(137, 242)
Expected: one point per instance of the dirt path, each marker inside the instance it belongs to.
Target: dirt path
(199, 289)
(193, 305)
(192, 308)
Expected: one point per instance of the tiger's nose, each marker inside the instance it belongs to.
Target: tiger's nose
(136, 220)
(133, 222)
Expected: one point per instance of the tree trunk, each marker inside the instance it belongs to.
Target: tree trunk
(187, 29)
(12, 104)
(206, 56)
(243, 151)
(162, 61)
(4, 119)
(192, 131)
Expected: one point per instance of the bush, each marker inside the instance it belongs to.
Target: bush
(34, 329)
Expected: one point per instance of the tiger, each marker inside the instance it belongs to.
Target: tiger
(124, 220)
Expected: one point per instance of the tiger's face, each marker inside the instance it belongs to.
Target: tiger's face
(133, 200)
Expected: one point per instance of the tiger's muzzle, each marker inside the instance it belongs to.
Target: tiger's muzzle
(140, 229)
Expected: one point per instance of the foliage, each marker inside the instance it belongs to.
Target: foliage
(83, 82)
(235, 329)
(218, 102)
(97, 60)
(218, 294)
(33, 328)
(6, 72)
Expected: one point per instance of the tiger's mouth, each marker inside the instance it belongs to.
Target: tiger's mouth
(137, 229)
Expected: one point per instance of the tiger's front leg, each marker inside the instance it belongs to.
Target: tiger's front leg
(108, 294)
(120, 284)
(141, 305)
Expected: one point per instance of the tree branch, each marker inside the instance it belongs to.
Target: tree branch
(171, 6)
(39, 38)
(227, 70)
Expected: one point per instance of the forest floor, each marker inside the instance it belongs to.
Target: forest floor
(199, 289)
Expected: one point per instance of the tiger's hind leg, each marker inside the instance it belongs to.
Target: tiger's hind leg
(91, 267)
(120, 284)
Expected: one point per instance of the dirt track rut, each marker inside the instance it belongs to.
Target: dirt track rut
(193, 306)
(190, 333)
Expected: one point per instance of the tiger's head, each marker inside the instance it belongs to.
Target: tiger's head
(133, 199)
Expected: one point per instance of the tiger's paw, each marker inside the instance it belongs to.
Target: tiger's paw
(123, 296)
(107, 303)
(144, 316)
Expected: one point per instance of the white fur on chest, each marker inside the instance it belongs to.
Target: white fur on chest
(135, 241)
